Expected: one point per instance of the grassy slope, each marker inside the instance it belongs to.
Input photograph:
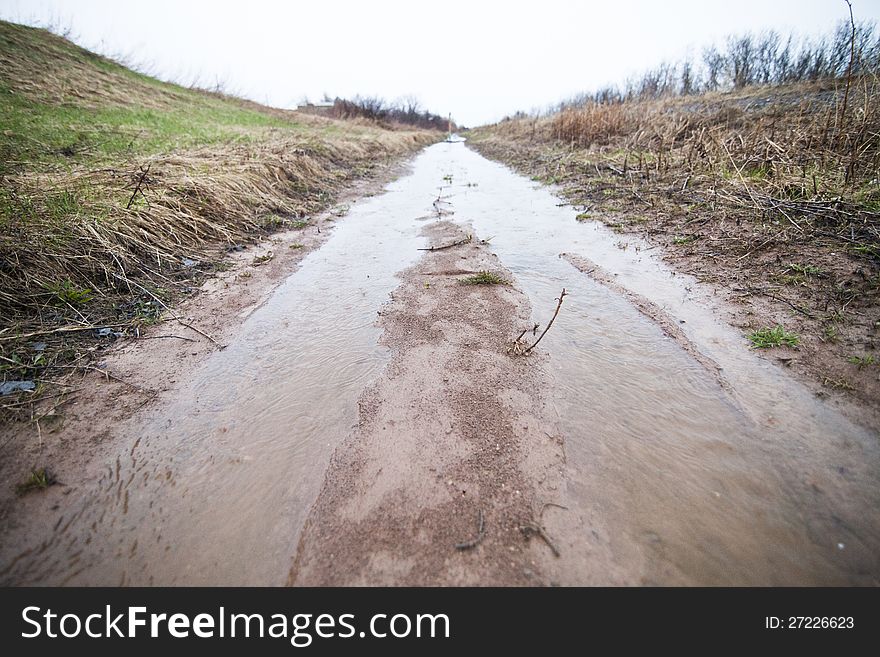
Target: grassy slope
(769, 195)
(79, 134)
(57, 99)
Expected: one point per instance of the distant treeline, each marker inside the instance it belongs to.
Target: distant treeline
(767, 58)
(407, 111)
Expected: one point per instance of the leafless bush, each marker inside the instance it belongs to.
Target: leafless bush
(747, 60)
(405, 111)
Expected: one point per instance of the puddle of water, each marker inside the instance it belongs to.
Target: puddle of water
(689, 483)
(763, 484)
(220, 481)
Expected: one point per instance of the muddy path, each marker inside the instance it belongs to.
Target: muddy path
(451, 457)
(345, 438)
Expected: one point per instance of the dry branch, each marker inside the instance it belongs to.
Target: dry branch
(467, 545)
(466, 240)
(518, 348)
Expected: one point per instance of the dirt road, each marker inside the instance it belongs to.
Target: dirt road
(345, 438)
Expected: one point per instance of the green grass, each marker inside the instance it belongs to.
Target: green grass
(66, 292)
(82, 106)
(862, 361)
(38, 480)
(484, 278)
(866, 250)
(32, 131)
(777, 336)
(62, 204)
(683, 239)
(797, 274)
(831, 334)
(805, 270)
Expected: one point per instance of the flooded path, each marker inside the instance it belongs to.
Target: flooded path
(658, 449)
(690, 460)
(211, 486)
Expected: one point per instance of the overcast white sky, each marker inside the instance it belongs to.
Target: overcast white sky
(477, 60)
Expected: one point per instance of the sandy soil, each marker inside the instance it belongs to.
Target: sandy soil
(474, 463)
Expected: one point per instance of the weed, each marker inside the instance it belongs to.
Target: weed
(484, 278)
(683, 239)
(777, 336)
(299, 224)
(68, 293)
(296, 246)
(62, 204)
(799, 274)
(263, 259)
(805, 270)
(147, 311)
(837, 384)
(38, 480)
(831, 334)
(273, 221)
(584, 216)
(862, 361)
(866, 250)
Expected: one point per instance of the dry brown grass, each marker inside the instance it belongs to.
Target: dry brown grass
(791, 152)
(188, 205)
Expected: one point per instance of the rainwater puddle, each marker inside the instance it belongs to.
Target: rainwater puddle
(756, 482)
(690, 482)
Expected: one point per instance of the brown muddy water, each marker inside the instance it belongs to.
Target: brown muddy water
(695, 461)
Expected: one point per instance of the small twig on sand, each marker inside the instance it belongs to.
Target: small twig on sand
(534, 331)
(154, 337)
(546, 504)
(480, 533)
(449, 246)
(517, 347)
(535, 528)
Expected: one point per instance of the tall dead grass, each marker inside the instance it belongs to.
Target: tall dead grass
(76, 227)
(796, 144)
